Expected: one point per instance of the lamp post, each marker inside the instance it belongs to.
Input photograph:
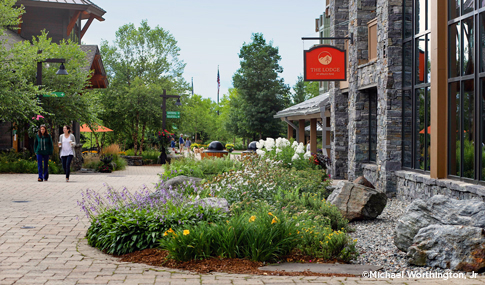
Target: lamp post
(163, 154)
(164, 106)
(61, 71)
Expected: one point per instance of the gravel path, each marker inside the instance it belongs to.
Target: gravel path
(376, 244)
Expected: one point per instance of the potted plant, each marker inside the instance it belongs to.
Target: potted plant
(164, 139)
(106, 167)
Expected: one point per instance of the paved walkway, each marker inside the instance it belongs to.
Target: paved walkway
(54, 251)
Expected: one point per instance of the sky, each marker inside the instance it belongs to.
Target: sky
(211, 33)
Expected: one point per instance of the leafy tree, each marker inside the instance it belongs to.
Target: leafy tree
(235, 123)
(15, 87)
(259, 85)
(312, 89)
(140, 63)
(198, 116)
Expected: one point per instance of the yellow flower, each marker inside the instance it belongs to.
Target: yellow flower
(269, 213)
(170, 231)
(273, 221)
(355, 240)
(252, 219)
(186, 232)
(165, 234)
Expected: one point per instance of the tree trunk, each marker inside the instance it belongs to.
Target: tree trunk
(244, 142)
(142, 137)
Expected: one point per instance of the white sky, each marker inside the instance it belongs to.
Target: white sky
(211, 32)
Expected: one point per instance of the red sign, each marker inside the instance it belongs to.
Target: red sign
(325, 63)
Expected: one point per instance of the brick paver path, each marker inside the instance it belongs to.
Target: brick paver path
(54, 251)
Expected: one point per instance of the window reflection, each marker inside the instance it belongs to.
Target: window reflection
(420, 17)
(483, 126)
(428, 129)
(408, 128)
(408, 18)
(482, 42)
(454, 9)
(454, 49)
(420, 130)
(468, 129)
(428, 58)
(468, 6)
(468, 46)
(420, 59)
(454, 129)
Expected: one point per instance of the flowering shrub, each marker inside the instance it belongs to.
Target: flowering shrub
(261, 179)
(204, 168)
(292, 155)
(122, 222)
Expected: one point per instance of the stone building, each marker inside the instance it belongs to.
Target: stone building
(410, 117)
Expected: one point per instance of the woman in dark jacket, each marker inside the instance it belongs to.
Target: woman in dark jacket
(43, 148)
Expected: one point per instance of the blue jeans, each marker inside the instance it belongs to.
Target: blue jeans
(43, 173)
(66, 164)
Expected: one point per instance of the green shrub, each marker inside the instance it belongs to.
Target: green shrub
(7, 165)
(259, 236)
(204, 168)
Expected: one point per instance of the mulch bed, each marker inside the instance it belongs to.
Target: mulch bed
(157, 257)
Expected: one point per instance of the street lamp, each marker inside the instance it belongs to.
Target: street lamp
(62, 69)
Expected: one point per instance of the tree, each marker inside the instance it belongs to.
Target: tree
(198, 116)
(258, 83)
(299, 92)
(304, 90)
(15, 86)
(140, 63)
(235, 122)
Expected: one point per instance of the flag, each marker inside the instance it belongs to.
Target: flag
(218, 81)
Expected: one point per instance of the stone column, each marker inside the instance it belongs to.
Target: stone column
(339, 26)
(360, 13)
(389, 93)
(301, 131)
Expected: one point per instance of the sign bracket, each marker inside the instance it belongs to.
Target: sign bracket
(351, 38)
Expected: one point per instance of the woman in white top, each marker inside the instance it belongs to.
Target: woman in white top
(67, 141)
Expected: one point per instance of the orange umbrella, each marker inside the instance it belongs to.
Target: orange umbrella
(85, 129)
(421, 132)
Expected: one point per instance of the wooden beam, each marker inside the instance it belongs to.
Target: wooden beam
(301, 131)
(305, 117)
(439, 88)
(86, 26)
(73, 22)
(313, 135)
(290, 132)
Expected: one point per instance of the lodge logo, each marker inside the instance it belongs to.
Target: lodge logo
(325, 58)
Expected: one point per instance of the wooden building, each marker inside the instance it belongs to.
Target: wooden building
(62, 19)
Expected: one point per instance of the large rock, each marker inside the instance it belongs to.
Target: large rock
(179, 180)
(453, 247)
(363, 181)
(357, 202)
(218, 203)
(438, 210)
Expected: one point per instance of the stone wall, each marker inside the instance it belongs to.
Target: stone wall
(389, 91)
(412, 185)
(371, 173)
(339, 15)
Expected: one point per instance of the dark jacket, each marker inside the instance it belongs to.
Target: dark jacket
(43, 145)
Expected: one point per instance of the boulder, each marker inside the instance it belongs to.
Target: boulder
(179, 180)
(219, 203)
(438, 210)
(450, 247)
(362, 181)
(357, 202)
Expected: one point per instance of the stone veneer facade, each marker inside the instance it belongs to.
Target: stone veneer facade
(350, 107)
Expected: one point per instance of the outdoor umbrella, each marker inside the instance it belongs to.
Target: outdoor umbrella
(100, 129)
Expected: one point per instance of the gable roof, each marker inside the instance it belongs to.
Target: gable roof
(310, 106)
(84, 5)
(95, 63)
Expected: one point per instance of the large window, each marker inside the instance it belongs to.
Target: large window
(416, 85)
(466, 90)
(372, 124)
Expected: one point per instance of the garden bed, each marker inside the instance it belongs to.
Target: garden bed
(157, 257)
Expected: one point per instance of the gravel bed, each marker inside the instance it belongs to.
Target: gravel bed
(376, 244)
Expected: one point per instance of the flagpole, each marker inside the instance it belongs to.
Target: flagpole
(192, 86)
(218, 87)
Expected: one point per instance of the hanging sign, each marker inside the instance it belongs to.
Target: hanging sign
(325, 63)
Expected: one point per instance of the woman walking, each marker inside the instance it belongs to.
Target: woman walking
(188, 143)
(66, 151)
(43, 148)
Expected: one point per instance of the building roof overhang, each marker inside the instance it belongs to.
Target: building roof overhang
(95, 65)
(309, 109)
(87, 7)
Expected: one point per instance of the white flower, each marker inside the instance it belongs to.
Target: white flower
(294, 145)
(295, 157)
(307, 155)
(278, 150)
(260, 144)
(300, 148)
(260, 152)
(269, 144)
